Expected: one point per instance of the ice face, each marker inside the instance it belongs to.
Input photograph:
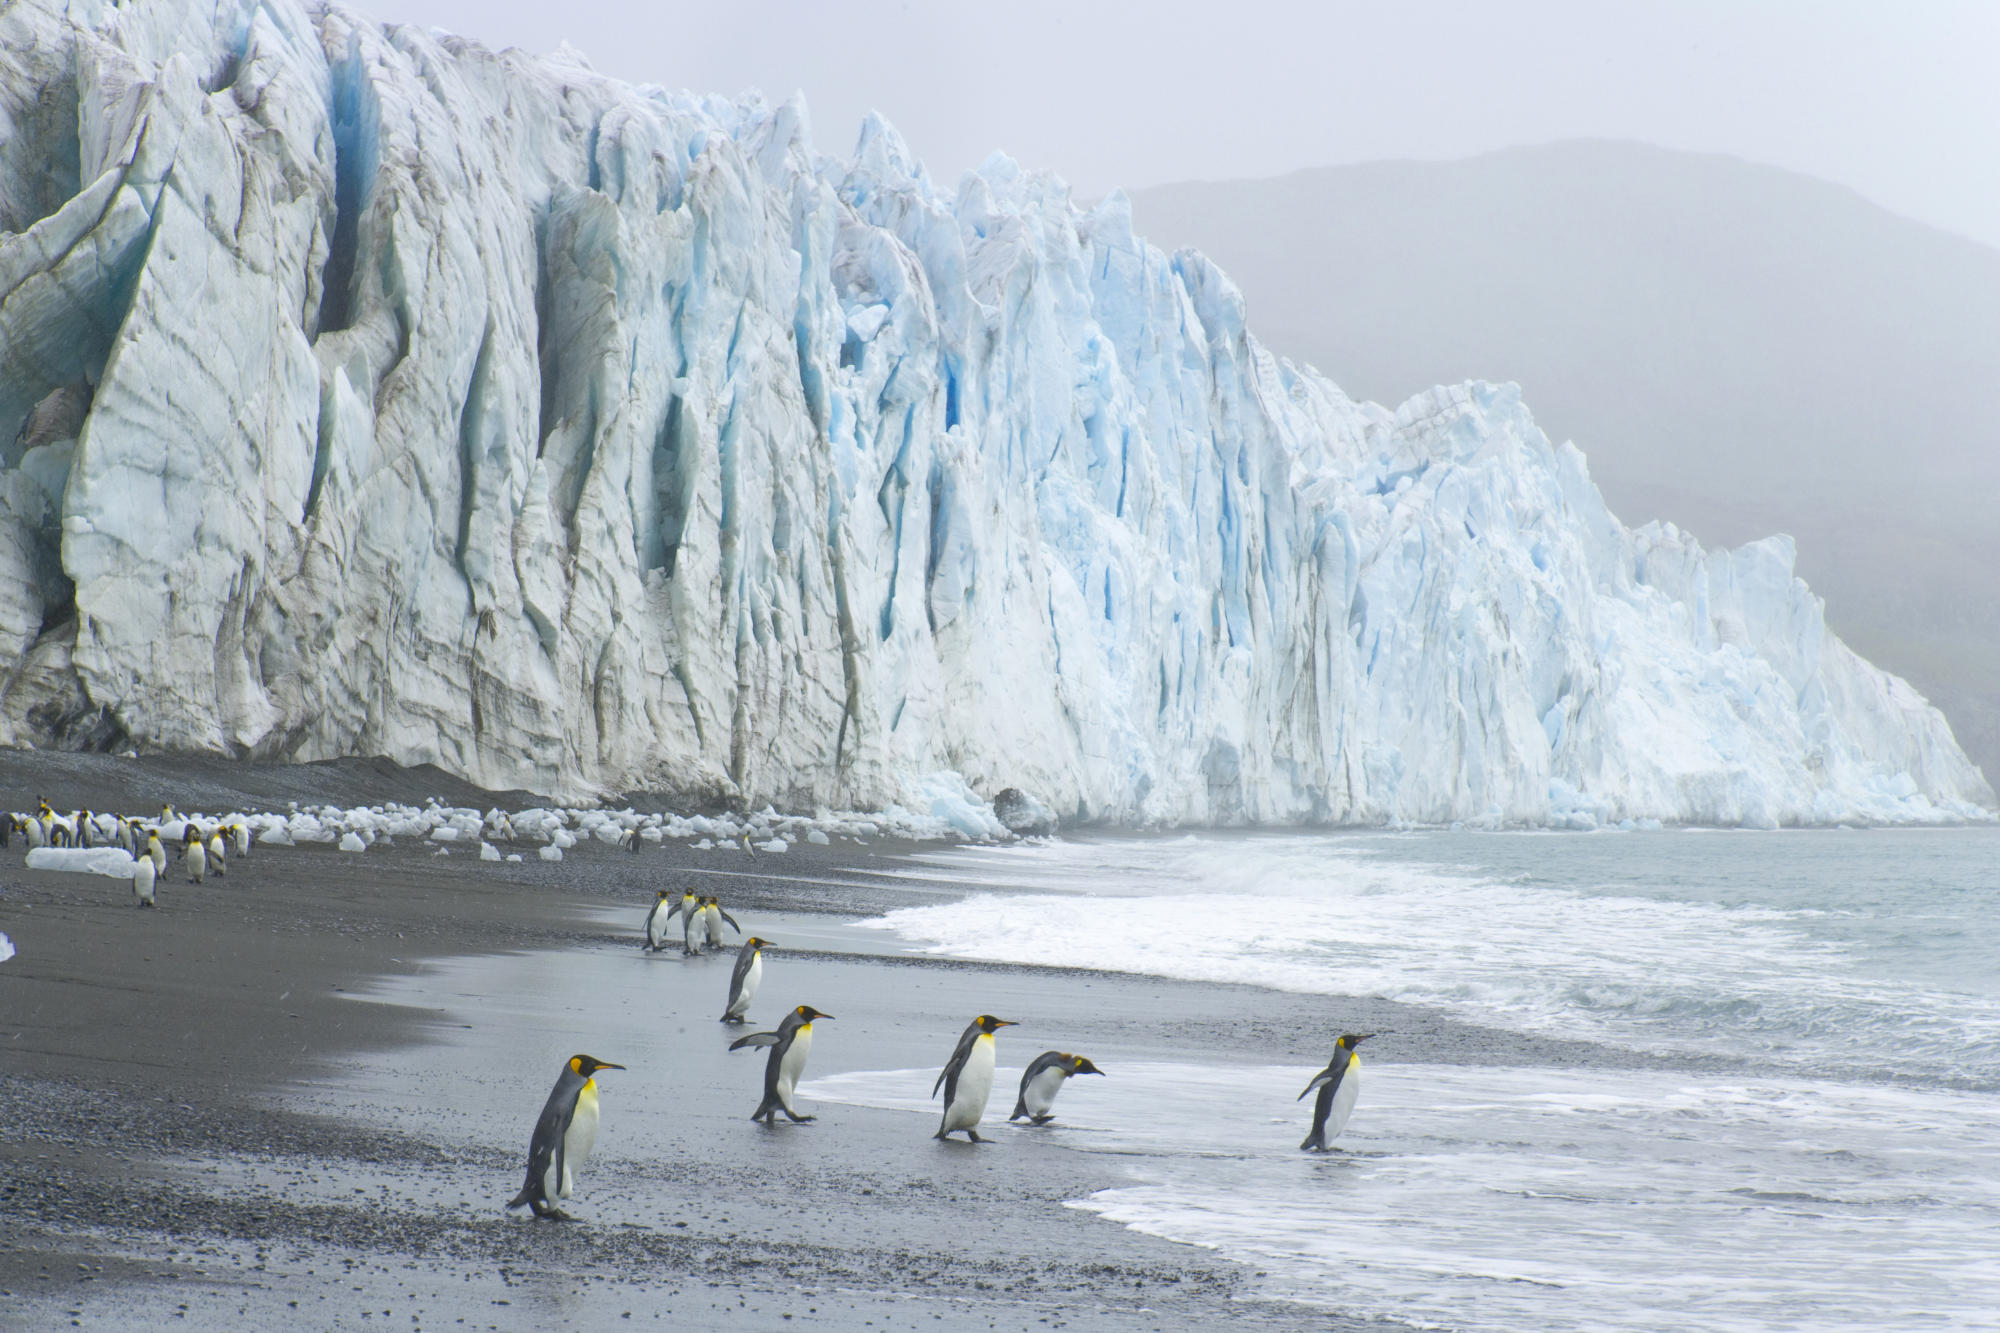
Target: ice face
(474, 409)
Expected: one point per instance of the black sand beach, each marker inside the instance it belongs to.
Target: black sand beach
(299, 1096)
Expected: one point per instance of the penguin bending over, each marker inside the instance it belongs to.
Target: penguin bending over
(143, 878)
(967, 1078)
(1339, 1084)
(746, 977)
(563, 1138)
(1042, 1080)
(656, 921)
(790, 1045)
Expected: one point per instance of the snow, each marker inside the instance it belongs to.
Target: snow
(113, 862)
(588, 438)
(6, 947)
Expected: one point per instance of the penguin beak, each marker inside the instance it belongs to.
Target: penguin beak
(608, 1065)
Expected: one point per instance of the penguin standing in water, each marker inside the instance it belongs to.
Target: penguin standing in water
(657, 919)
(143, 878)
(694, 929)
(564, 1136)
(712, 917)
(790, 1045)
(193, 853)
(1042, 1080)
(746, 977)
(1339, 1084)
(967, 1079)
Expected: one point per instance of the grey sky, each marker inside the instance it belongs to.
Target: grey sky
(1898, 101)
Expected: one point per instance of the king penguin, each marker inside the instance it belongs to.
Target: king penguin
(1339, 1084)
(193, 854)
(143, 878)
(563, 1138)
(712, 917)
(790, 1045)
(693, 928)
(218, 855)
(745, 978)
(657, 919)
(967, 1079)
(157, 851)
(1042, 1080)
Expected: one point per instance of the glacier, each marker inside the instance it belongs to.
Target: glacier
(366, 391)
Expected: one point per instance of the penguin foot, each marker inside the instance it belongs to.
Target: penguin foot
(1040, 1120)
(554, 1215)
(972, 1135)
(802, 1119)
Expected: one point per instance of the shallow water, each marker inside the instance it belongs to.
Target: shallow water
(1848, 1177)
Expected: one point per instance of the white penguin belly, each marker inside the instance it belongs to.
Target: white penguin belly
(579, 1139)
(975, 1085)
(1042, 1090)
(1343, 1100)
(713, 918)
(197, 861)
(751, 979)
(793, 1063)
(143, 876)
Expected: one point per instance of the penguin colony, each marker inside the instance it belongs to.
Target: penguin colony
(566, 1131)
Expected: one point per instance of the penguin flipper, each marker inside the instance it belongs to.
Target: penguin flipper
(755, 1039)
(1324, 1077)
(731, 920)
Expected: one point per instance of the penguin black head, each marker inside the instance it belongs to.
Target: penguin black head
(808, 1013)
(756, 943)
(1083, 1066)
(989, 1024)
(1350, 1040)
(586, 1065)
(664, 893)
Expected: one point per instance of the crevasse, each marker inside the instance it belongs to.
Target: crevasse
(366, 391)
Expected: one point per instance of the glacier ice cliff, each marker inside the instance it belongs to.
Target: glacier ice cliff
(366, 391)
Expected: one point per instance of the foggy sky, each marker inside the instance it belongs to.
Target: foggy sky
(1896, 101)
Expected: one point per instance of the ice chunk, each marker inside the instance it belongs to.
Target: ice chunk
(112, 862)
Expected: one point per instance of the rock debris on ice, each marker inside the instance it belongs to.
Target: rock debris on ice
(365, 391)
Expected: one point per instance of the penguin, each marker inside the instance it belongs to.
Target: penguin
(35, 832)
(563, 1138)
(712, 917)
(1042, 1080)
(143, 878)
(744, 980)
(217, 853)
(694, 927)
(967, 1078)
(193, 853)
(86, 828)
(656, 921)
(241, 834)
(1339, 1084)
(743, 841)
(790, 1045)
(127, 839)
(157, 851)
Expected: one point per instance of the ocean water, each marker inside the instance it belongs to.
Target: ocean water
(1843, 1173)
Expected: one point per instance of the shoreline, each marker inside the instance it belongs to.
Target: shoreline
(198, 1114)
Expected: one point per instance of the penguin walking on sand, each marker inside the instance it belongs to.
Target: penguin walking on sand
(745, 978)
(144, 876)
(1339, 1084)
(563, 1138)
(1042, 1080)
(967, 1078)
(194, 854)
(712, 917)
(790, 1045)
(657, 919)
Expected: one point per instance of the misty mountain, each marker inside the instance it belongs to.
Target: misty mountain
(1738, 349)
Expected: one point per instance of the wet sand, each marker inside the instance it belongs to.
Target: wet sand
(300, 1095)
